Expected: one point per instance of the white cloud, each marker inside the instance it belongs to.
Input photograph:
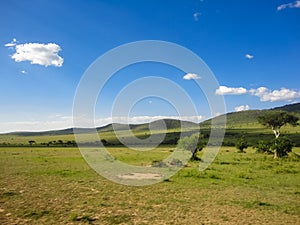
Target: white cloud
(37, 53)
(191, 76)
(263, 93)
(242, 108)
(283, 94)
(12, 43)
(249, 56)
(223, 90)
(291, 5)
(24, 71)
(196, 16)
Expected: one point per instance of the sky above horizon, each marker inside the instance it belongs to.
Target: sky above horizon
(252, 47)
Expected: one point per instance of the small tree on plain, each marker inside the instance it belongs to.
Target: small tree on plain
(31, 142)
(242, 144)
(192, 144)
(283, 146)
(275, 120)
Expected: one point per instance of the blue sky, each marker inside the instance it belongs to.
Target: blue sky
(252, 47)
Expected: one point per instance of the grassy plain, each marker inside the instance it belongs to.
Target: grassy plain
(56, 186)
(252, 134)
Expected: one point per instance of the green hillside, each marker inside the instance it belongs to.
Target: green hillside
(247, 119)
(170, 124)
(290, 108)
(238, 124)
(236, 119)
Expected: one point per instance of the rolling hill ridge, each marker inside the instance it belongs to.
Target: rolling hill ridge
(234, 119)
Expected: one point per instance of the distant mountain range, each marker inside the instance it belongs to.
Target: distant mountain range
(233, 119)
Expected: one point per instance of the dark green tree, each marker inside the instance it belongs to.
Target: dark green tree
(31, 142)
(60, 142)
(242, 144)
(276, 119)
(192, 144)
(282, 146)
(264, 147)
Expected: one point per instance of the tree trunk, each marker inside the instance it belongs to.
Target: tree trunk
(277, 134)
(275, 151)
(275, 154)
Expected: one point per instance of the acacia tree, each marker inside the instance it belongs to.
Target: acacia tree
(31, 142)
(275, 120)
(192, 144)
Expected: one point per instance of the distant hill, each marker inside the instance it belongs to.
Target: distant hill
(295, 108)
(244, 118)
(249, 117)
(46, 133)
(155, 125)
(236, 118)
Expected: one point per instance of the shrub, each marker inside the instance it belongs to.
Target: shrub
(263, 147)
(242, 144)
(176, 162)
(282, 146)
(159, 164)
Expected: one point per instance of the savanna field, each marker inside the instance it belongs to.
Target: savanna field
(149, 112)
(40, 185)
(44, 178)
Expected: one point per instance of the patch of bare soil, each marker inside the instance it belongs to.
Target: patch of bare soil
(141, 176)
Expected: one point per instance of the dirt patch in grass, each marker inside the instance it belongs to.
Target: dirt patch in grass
(140, 176)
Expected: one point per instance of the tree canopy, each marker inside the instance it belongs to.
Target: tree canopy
(192, 144)
(276, 119)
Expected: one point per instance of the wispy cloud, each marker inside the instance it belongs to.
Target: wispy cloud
(249, 56)
(37, 53)
(283, 94)
(223, 90)
(24, 71)
(191, 76)
(290, 5)
(242, 108)
(12, 43)
(196, 16)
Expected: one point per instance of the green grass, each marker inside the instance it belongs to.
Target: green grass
(252, 132)
(56, 186)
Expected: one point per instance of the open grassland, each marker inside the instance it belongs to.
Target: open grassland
(56, 186)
